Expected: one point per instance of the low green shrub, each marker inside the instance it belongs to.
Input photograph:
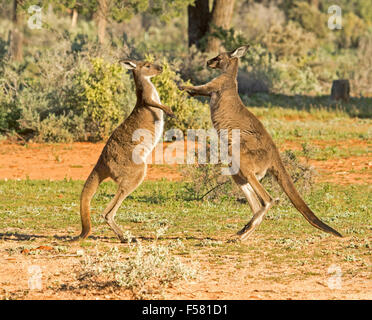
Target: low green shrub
(309, 18)
(353, 29)
(103, 95)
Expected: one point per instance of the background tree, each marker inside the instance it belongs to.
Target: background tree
(221, 16)
(202, 22)
(119, 10)
(16, 34)
(102, 16)
(198, 22)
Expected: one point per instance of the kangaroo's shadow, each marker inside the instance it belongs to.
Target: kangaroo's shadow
(19, 237)
(16, 236)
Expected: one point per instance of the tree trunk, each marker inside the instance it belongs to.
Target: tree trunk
(198, 22)
(102, 20)
(222, 13)
(16, 36)
(340, 90)
(314, 3)
(74, 18)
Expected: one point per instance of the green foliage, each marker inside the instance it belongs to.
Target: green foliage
(9, 113)
(362, 8)
(255, 19)
(168, 9)
(362, 75)
(205, 182)
(309, 18)
(353, 28)
(55, 129)
(230, 38)
(289, 40)
(192, 66)
(279, 63)
(61, 93)
(124, 10)
(102, 94)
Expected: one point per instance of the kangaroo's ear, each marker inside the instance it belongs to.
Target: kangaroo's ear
(128, 64)
(239, 52)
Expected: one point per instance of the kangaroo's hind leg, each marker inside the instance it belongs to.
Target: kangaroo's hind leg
(250, 195)
(261, 200)
(126, 186)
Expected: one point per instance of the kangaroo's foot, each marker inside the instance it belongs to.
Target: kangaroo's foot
(235, 238)
(126, 240)
(84, 234)
(248, 229)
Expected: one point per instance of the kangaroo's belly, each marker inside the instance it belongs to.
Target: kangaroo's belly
(135, 138)
(157, 125)
(151, 136)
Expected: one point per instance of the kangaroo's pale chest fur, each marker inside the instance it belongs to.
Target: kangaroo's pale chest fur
(159, 123)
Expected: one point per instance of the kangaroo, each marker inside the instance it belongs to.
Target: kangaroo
(116, 160)
(258, 153)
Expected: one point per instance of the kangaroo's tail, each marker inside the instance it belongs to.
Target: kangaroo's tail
(89, 189)
(286, 183)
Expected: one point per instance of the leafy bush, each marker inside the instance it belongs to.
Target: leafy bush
(260, 74)
(55, 129)
(353, 29)
(103, 95)
(192, 66)
(255, 19)
(362, 75)
(205, 182)
(289, 40)
(9, 114)
(309, 18)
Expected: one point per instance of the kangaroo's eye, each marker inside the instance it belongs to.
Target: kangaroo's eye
(148, 67)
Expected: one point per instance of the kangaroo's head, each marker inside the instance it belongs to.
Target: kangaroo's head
(224, 59)
(142, 68)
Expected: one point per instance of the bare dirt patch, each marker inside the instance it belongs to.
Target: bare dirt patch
(61, 161)
(247, 277)
(76, 160)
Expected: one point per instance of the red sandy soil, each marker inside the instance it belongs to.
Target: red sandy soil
(250, 278)
(76, 160)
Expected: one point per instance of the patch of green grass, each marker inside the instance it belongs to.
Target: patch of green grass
(319, 107)
(333, 129)
(304, 118)
(157, 212)
(331, 152)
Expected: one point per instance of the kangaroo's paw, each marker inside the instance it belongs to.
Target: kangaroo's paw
(235, 238)
(83, 235)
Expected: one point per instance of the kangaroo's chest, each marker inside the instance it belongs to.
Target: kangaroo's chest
(155, 125)
(215, 110)
(222, 115)
(159, 119)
